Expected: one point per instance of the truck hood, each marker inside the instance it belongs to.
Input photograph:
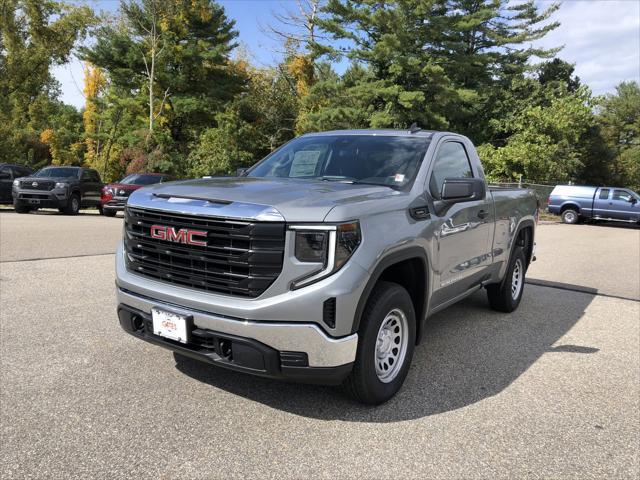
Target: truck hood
(48, 179)
(292, 200)
(124, 186)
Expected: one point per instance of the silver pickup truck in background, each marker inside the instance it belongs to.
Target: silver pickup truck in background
(323, 262)
(574, 203)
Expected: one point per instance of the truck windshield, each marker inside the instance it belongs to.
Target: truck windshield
(368, 159)
(57, 172)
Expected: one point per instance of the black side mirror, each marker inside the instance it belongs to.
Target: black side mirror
(457, 190)
(241, 171)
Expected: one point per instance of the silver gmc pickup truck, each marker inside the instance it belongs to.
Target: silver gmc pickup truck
(322, 262)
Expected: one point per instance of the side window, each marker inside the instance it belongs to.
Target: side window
(621, 195)
(604, 194)
(86, 176)
(6, 173)
(95, 176)
(451, 162)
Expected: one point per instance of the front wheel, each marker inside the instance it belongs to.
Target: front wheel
(385, 345)
(506, 296)
(73, 205)
(21, 208)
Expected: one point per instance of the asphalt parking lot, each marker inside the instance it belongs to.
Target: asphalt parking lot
(550, 391)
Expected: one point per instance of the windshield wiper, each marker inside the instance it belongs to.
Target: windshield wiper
(353, 181)
(337, 178)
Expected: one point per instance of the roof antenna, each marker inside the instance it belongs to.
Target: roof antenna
(414, 128)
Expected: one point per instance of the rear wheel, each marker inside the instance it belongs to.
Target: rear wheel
(385, 345)
(506, 296)
(570, 216)
(22, 208)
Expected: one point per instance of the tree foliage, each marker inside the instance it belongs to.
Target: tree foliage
(36, 35)
(435, 62)
(619, 121)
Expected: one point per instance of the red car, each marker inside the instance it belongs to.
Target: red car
(114, 195)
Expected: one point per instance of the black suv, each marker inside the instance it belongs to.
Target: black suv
(65, 188)
(9, 172)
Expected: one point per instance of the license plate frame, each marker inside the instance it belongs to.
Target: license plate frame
(171, 325)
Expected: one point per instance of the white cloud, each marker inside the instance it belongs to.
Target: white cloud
(602, 39)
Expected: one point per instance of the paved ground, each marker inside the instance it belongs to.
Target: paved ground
(551, 391)
(47, 234)
(601, 258)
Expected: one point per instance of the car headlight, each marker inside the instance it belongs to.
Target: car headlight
(330, 246)
(61, 185)
(16, 183)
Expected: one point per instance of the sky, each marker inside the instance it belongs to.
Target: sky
(601, 37)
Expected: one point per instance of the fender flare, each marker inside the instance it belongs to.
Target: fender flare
(384, 263)
(573, 205)
(527, 222)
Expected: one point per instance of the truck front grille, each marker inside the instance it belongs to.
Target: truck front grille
(241, 258)
(37, 185)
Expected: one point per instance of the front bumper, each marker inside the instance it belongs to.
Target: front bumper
(299, 352)
(40, 198)
(115, 204)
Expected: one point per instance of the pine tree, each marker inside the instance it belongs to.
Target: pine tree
(438, 62)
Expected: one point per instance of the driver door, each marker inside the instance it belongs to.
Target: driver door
(463, 230)
(623, 205)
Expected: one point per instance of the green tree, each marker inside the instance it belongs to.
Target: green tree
(619, 120)
(256, 123)
(547, 141)
(224, 148)
(35, 35)
(175, 53)
(437, 62)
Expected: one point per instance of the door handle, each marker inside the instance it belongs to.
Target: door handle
(483, 214)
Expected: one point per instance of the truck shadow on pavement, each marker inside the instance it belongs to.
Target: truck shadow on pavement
(469, 353)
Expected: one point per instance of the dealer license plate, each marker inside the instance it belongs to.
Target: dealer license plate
(170, 325)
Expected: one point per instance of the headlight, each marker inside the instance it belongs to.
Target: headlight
(328, 245)
(311, 246)
(16, 183)
(61, 185)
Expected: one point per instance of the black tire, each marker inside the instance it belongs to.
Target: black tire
(22, 208)
(73, 205)
(570, 216)
(364, 383)
(108, 212)
(501, 295)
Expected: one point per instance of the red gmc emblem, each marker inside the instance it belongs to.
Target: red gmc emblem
(183, 235)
